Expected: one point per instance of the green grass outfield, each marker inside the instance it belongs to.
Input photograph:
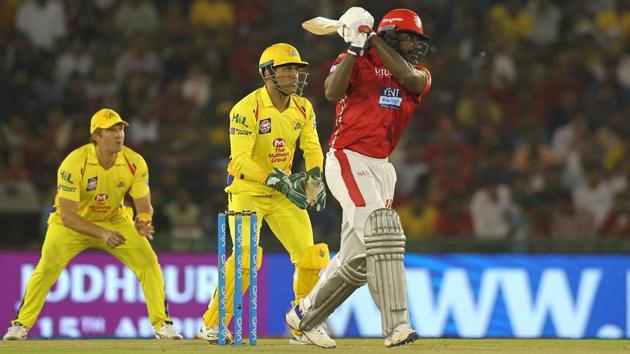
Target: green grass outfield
(278, 346)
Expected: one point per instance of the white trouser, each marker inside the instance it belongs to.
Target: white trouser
(361, 184)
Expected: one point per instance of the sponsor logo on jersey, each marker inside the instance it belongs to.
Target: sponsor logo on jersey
(390, 98)
(238, 119)
(121, 184)
(91, 184)
(278, 143)
(382, 72)
(237, 131)
(264, 127)
(297, 126)
(66, 176)
(101, 197)
(63, 188)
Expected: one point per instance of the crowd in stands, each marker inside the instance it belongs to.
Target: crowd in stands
(524, 134)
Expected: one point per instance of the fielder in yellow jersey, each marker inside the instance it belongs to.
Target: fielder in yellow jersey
(266, 127)
(92, 182)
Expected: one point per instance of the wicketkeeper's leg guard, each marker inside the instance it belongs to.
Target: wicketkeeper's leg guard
(307, 269)
(385, 252)
(333, 292)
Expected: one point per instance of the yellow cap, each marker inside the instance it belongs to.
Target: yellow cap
(280, 54)
(105, 118)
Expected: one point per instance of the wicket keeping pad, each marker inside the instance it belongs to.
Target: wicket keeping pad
(314, 260)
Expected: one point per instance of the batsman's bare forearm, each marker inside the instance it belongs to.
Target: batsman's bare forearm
(414, 80)
(72, 220)
(337, 82)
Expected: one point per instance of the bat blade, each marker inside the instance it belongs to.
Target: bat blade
(321, 26)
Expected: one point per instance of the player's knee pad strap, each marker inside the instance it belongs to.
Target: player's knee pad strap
(385, 251)
(349, 277)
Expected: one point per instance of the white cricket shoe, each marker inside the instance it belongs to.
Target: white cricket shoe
(317, 335)
(167, 331)
(16, 332)
(298, 339)
(211, 334)
(402, 334)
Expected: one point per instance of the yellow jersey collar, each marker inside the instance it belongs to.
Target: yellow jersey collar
(266, 99)
(93, 159)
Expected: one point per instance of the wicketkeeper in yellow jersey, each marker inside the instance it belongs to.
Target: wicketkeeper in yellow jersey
(92, 182)
(265, 129)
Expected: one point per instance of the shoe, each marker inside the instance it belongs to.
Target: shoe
(317, 335)
(211, 334)
(16, 332)
(298, 339)
(167, 331)
(402, 334)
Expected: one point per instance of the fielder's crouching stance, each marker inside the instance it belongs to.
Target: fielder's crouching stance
(377, 84)
(89, 213)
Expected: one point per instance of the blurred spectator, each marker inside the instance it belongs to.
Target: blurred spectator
(546, 20)
(617, 223)
(492, 209)
(77, 60)
(566, 138)
(184, 219)
(14, 133)
(138, 57)
(569, 221)
(418, 216)
(594, 194)
(43, 22)
(453, 219)
(144, 127)
(102, 88)
(136, 16)
(212, 14)
(196, 87)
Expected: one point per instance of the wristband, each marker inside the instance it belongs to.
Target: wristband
(356, 51)
(144, 217)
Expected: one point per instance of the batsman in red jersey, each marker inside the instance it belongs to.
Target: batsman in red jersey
(377, 83)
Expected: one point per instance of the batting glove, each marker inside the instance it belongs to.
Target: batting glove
(356, 29)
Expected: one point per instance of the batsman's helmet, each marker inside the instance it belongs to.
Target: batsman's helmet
(281, 54)
(406, 21)
(402, 20)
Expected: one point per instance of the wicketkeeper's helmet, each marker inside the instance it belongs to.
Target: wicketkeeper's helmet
(281, 54)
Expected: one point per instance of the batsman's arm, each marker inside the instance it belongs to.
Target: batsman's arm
(72, 220)
(414, 80)
(309, 141)
(338, 80)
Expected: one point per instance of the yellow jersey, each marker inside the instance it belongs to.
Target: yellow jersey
(261, 138)
(100, 192)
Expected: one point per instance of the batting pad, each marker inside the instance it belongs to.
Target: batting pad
(333, 292)
(385, 252)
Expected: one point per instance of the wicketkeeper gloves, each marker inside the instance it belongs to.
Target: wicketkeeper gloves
(289, 185)
(315, 189)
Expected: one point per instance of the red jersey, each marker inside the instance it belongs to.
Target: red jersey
(371, 117)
